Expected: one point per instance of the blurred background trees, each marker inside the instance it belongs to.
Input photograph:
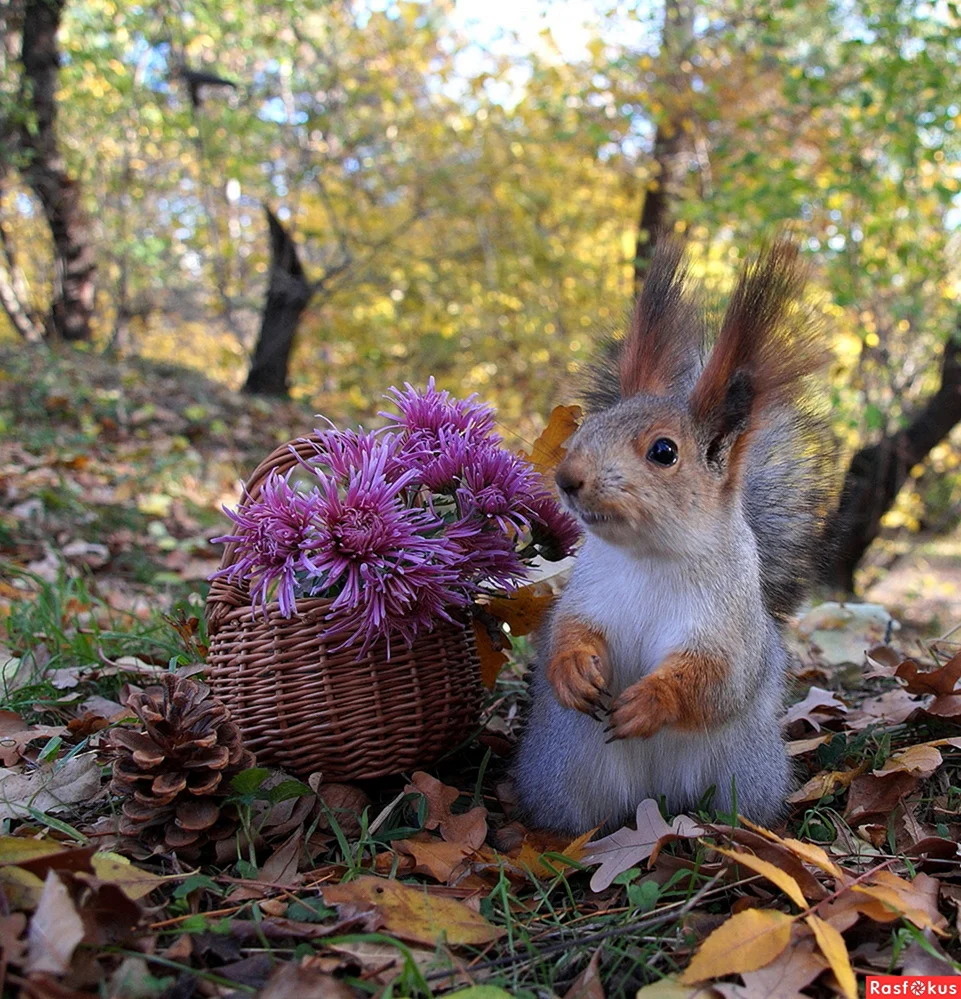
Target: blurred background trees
(469, 201)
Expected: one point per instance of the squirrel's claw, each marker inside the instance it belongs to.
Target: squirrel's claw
(641, 711)
(577, 676)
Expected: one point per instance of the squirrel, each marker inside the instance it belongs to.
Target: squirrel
(701, 479)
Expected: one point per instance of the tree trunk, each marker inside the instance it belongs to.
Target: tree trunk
(656, 210)
(44, 170)
(877, 473)
(666, 154)
(288, 292)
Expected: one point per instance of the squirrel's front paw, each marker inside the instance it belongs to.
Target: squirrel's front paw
(579, 678)
(643, 709)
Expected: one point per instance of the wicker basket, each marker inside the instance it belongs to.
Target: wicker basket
(303, 708)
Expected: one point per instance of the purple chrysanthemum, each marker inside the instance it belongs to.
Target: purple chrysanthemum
(345, 451)
(273, 532)
(486, 555)
(439, 457)
(435, 411)
(392, 570)
(554, 533)
(497, 486)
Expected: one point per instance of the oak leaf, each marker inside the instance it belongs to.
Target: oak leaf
(491, 659)
(627, 847)
(55, 930)
(524, 610)
(468, 828)
(818, 706)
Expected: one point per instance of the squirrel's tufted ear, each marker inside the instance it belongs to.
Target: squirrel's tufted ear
(665, 338)
(766, 346)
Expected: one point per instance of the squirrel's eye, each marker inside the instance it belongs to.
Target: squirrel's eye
(663, 452)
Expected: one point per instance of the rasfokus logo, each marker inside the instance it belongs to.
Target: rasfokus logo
(913, 985)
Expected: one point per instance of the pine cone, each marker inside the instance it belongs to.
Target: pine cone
(176, 774)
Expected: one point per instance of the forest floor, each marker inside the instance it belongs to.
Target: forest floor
(112, 478)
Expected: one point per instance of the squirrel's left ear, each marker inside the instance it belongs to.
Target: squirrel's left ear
(766, 346)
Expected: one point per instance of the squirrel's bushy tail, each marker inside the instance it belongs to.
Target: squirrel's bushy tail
(748, 395)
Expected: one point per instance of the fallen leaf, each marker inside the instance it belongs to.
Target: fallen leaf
(818, 706)
(915, 900)
(792, 970)
(627, 847)
(670, 988)
(745, 942)
(810, 853)
(15, 733)
(775, 875)
(823, 784)
(412, 914)
(294, 981)
(436, 859)
(832, 946)
(548, 450)
(468, 828)
(938, 681)
(55, 930)
(890, 708)
(534, 846)
(112, 868)
(13, 945)
(920, 761)
(49, 788)
(491, 660)
(588, 984)
(524, 610)
(798, 747)
(873, 798)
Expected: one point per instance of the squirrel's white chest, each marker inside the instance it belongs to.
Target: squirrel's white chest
(645, 608)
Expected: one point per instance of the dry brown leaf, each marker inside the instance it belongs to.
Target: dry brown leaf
(890, 708)
(435, 858)
(745, 942)
(939, 681)
(548, 450)
(49, 788)
(491, 660)
(524, 610)
(412, 914)
(792, 970)
(588, 984)
(817, 707)
(832, 946)
(920, 761)
(776, 853)
(810, 853)
(468, 828)
(915, 900)
(15, 733)
(823, 784)
(626, 847)
(55, 930)
(798, 747)
(875, 798)
(294, 981)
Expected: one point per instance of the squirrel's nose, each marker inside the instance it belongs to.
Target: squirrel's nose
(568, 480)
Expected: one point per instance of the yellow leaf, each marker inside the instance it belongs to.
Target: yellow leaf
(807, 852)
(548, 449)
(530, 856)
(745, 942)
(117, 870)
(413, 914)
(491, 660)
(782, 879)
(667, 988)
(22, 889)
(835, 950)
(19, 849)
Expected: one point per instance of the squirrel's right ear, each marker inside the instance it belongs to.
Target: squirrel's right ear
(665, 338)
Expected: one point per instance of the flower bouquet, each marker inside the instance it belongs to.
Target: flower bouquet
(362, 552)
